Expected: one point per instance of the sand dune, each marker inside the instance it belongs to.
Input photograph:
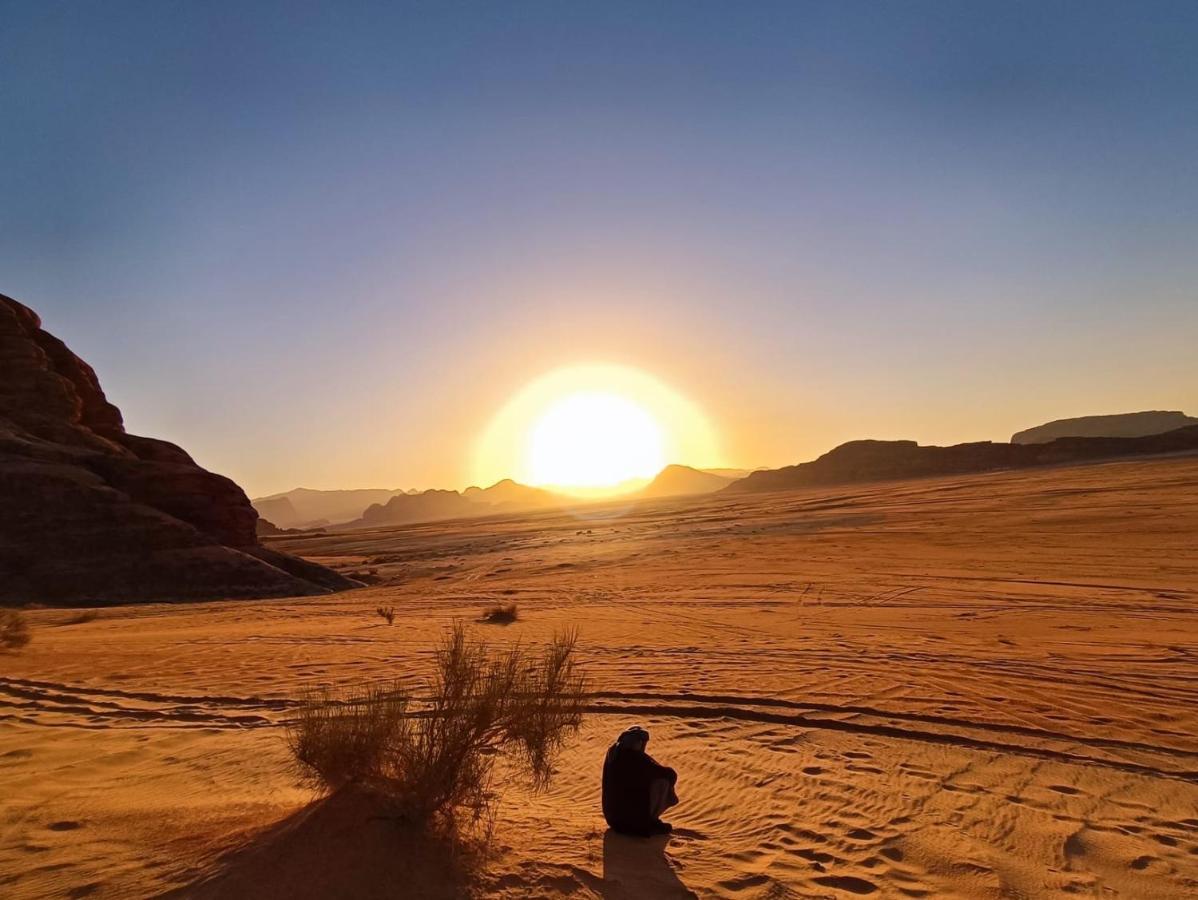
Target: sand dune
(974, 687)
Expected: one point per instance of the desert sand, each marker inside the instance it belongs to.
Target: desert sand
(973, 687)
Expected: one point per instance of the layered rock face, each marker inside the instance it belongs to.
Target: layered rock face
(91, 513)
(859, 461)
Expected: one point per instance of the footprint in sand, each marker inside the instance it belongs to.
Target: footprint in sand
(743, 882)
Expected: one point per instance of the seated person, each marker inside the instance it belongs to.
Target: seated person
(636, 790)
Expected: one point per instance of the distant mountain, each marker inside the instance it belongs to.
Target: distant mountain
(433, 505)
(859, 461)
(512, 494)
(508, 496)
(308, 508)
(1136, 424)
(730, 474)
(676, 481)
(277, 509)
(404, 509)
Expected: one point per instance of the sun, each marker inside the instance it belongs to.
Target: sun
(594, 439)
(593, 430)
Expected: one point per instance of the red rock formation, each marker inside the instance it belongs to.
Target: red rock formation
(89, 512)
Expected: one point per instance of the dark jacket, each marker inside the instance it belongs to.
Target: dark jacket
(627, 773)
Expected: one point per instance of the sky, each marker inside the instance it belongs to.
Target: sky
(323, 244)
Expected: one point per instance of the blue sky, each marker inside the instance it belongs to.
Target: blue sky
(321, 244)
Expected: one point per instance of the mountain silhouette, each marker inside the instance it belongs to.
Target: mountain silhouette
(1136, 424)
(432, 505)
(308, 508)
(869, 460)
(513, 495)
(676, 481)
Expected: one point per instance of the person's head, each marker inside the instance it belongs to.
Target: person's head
(634, 738)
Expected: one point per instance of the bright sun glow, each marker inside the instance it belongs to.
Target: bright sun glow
(594, 440)
(593, 430)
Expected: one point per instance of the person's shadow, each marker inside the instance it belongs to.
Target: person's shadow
(635, 867)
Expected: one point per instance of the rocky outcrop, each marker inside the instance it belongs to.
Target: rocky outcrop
(1137, 424)
(859, 461)
(267, 528)
(91, 513)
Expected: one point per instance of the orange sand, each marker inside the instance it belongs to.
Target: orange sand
(977, 687)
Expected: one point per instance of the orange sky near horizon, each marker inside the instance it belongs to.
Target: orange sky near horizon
(771, 395)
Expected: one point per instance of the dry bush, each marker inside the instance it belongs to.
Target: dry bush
(499, 614)
(386, 612)
(339, 740)
(433, 761)
(14, 630)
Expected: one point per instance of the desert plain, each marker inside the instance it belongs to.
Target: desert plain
(970, 687)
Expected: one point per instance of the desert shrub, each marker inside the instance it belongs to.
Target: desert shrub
(387, 613)
(433, 760)
(339, 740)
(14, 630)
(500, 614)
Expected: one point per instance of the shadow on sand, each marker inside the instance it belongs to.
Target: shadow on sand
(339, 847)
(342, 847)
(637, 868)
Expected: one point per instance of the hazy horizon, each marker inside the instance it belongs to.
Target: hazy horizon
(629, 486)
(327, 245)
